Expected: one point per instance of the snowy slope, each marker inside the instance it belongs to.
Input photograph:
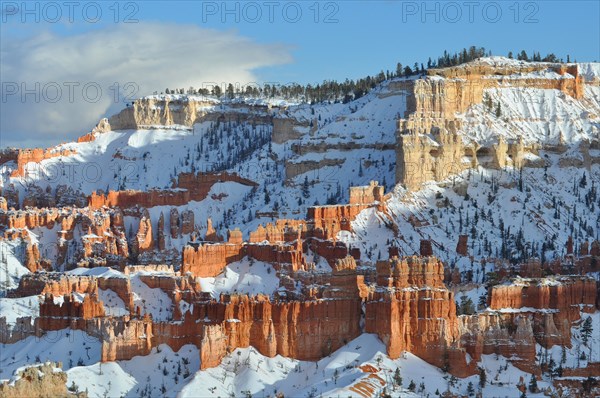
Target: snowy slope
(246, 276)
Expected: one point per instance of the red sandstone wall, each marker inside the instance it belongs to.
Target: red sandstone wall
(24, 156)
(209, 259)
(280, 255)
(57, 316)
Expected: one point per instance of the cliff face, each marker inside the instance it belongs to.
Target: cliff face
(188, 187)
(172, 110)
(305, 330)
(552, 305)
(209, 259)
(510, 335)
(165, 112)
(56, 315)
(411, 310)
(564, 294)
(45, 380)
(23, 156)
(428, 146)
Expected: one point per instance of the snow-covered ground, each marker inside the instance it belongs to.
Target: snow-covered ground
(511, 213)
(13, 308)
(71, 347)
(247, 276)
(161, 373)
(12, 256)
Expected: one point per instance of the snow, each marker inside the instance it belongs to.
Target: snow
(153, 301)
(247, 370)
(370, 234)
(66, 346)
(13, 308)
(359, 138)
(113, 304)
(340, 374)
(101, 379)
(151, 375)
(99, 272)
(12, 256)
(247, 276)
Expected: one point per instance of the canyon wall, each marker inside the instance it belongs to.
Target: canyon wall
(209, 259)
(188, 187)
(23, 156)
(172, 110)
(411, 310)
(428, 145)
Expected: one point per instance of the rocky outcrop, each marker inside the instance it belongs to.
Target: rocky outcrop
(189, 187)
(282, 256)
(279, 231)
(367, 195)
(68, 310)
(46, 380)
(22, 328)
(510, 335)
(432, 154)
(305, 330)
(425, 248)
(235, 236)
(428, 144)
(160, 233)
(330, 220)
(413, 311)
(122, 339)
(286, 129)
(102, 127)
(462, 247)
(54, 283)
(174, 223)
(564, 294)
(294, 168)
(144, 240)
(204, 260)
(168, 110)
(24, 156)
(213, 346)
(187, 222)
(525, 313)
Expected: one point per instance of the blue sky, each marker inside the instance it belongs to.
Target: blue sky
(160, 44)
(355, 38)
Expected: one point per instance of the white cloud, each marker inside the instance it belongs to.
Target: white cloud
(151, 55)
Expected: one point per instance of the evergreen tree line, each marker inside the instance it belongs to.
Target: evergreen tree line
(333, 91)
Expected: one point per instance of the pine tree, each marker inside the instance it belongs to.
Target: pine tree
(399, 70)
(397, 377)
(523, 394)
(533, 387)
(470, 389)
(551, 366)
(482, 377)
(305, 187)
(412, 386)
(586, 330)
(583, 181)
